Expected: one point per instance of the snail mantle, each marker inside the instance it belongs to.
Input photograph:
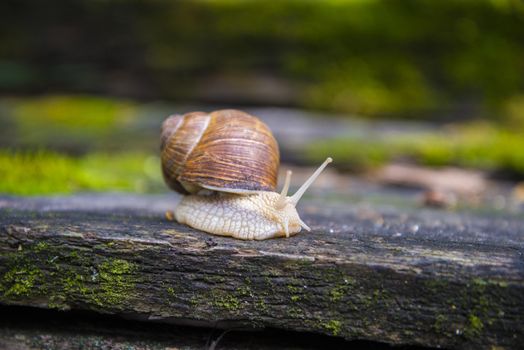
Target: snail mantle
(427, 278)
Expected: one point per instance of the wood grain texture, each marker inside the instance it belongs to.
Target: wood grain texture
(413, 277)
(25, 328)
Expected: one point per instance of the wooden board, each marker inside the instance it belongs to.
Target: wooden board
(25, 328)
(421, 277)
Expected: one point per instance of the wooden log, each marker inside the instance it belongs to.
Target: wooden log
(422, 277)
(24, 328)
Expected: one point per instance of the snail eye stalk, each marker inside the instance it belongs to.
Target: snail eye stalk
(281, 201)
(296, 197)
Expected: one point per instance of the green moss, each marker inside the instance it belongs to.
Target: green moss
(293, 289)
(440, 323)
(71, 113)
(74, 255)
(475, 323)
(482, 305)
(227, 302)
(367, 301)
(28, 173)
(261, 305)
(381, 296)
(22, 277)
(194, 301)
(74, 283)
(268, 282)
(116, 267)
(40, 246)
(338, 292)
(479, 282)
(295, 312)
(473, 145)
(40, 270)
(70, 287)
(20, 280)
(109, 284)
(221, 300)
(474, 299)
(115, 282)
(436, 285)
(346, 54)
(214, 279)
(502, 284)
(245, 291)
(475, 326)
(476, 305)
(333, 326)
(171, 291)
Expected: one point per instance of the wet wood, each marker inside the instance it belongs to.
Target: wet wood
(423, 277)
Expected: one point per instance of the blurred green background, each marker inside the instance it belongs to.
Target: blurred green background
(84, 85)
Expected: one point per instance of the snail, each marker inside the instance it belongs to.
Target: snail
(225, 163)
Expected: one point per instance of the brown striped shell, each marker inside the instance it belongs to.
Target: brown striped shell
(226, 150)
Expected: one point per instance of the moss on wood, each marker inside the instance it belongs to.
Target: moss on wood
(64, 278)
(365, 288)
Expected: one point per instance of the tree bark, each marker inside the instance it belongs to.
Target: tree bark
(421, 277)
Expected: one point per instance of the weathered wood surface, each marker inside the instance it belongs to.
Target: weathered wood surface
(399, 276)
(29, 329)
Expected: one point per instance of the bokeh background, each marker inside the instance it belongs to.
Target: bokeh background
(84, 86)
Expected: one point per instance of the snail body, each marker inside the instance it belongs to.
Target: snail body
(243, 217)
(226, 164)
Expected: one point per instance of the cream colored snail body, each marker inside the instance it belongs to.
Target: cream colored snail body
(226, 164)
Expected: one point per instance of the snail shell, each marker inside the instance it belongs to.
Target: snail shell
(229, 151)
(225, 151)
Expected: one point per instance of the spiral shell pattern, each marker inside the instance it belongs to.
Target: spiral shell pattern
(226, 150)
